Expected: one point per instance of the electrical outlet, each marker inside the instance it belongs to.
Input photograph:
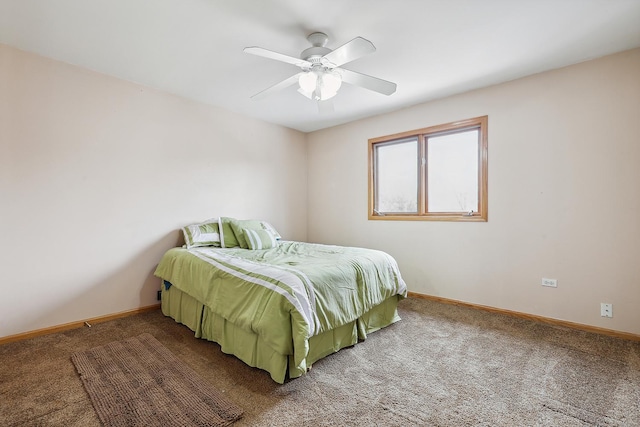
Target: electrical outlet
(606, 309)
(552, 283)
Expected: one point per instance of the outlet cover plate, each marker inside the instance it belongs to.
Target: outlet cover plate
(606, 309)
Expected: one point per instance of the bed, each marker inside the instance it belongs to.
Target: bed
(281, 306)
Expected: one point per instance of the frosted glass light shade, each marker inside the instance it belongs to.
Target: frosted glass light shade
(331, 82)
(308, 81)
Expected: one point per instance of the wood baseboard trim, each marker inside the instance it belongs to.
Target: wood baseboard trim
(75, 325)
(534, 317)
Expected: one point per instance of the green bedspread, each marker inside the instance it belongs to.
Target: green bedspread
(286, 294)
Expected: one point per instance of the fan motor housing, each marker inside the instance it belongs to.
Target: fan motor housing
(314, 52)
(317, 50)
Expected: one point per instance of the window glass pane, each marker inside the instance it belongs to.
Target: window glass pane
(397, 177)
(452, 172)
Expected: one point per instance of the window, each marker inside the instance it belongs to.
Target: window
(436, 173)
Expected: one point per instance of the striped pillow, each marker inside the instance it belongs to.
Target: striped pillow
(203, 234)
(259, 239)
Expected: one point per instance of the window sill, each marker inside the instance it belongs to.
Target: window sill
(431, 217)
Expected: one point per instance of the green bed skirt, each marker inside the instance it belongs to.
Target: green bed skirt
(252, 350)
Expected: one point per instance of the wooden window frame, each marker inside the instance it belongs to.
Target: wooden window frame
(481, 123)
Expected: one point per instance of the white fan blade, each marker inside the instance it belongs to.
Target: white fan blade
(350, 51)
(276, 87)
(368, 82)
(277, 56)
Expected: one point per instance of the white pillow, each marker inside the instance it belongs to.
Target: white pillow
(270, 229)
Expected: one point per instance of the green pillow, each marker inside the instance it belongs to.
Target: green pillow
(202, 234)
(259, 239)
(227, 236)
(238, 225)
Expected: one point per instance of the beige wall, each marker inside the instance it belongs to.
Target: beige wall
(564, 196)
(97, 175)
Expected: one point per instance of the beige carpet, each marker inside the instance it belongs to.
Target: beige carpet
(138, 382)
(441, 365)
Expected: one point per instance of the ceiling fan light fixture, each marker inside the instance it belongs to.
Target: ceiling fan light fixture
(319, 85)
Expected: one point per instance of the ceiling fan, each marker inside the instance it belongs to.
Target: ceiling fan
(322, 74)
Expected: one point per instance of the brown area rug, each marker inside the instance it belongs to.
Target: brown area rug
(138, 382)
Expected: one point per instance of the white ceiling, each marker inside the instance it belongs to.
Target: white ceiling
(430, 48)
